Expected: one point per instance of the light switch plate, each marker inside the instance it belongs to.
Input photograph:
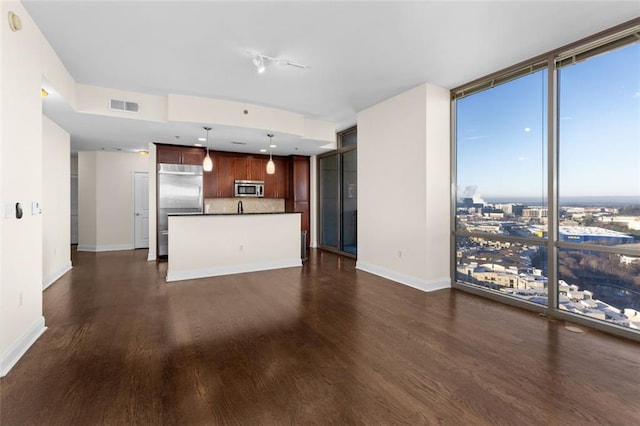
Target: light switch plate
(35, 208)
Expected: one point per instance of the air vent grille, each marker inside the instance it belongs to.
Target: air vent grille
(120, 105)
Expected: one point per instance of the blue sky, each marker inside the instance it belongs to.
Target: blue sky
(501, 133)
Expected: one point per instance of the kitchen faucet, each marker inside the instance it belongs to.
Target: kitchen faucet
(240, 207)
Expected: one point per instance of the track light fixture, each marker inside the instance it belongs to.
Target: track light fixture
(260, 61)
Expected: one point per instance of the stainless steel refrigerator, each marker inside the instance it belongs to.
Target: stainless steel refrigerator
(179, 191)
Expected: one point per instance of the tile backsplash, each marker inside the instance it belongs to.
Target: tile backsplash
(250, 205)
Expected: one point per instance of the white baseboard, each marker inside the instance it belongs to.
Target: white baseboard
(112, 247)
(151, 257)
(228, 270)
(51, 278)
(13, 354)
(420, 284)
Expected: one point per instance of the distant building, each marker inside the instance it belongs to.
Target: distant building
(535, 212)
(593, 235)
(632, 222)
(586, 234)
(467, 202)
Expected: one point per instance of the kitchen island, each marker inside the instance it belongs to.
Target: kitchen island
(207, 245)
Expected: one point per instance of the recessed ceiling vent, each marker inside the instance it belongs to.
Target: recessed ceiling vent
(238, 143)
(120, 105)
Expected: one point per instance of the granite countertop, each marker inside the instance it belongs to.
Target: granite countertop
(229, 214)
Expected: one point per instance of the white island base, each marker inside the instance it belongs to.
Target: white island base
(207, 245)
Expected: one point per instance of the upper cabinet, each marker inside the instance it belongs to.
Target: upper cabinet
(275, 185)
(225, 169)
(250, 167)
(174, 154)
(290, 180)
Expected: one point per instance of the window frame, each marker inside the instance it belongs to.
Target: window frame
(612, 38)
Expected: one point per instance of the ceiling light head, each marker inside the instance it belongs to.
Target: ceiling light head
(258, 61)
(271, 167)
(15, 23)
(207, 163)
(43, 93)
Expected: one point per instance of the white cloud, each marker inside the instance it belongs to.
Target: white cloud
(473, 138)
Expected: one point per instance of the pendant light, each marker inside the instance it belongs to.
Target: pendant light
(207, 164)
(271, 167)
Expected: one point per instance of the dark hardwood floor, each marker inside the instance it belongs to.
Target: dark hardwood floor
(324, 344)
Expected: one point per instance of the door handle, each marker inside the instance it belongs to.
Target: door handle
(137, 214)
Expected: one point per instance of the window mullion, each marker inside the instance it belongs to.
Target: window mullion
(552, 185)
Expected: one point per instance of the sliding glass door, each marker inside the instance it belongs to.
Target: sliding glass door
(339, 196)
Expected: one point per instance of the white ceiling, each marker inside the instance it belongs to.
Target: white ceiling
(360, 53)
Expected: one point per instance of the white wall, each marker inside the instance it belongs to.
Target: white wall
(27, 58)
(403, 188)
(105, 199)
(87, 199)
(153, 237)
(56, 203)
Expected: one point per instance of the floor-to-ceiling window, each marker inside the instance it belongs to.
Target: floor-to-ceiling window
(338, 195)
(547, 174)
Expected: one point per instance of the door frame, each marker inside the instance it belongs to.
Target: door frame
(133, 207)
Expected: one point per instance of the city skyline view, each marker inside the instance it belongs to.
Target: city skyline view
(503, 240)
(502, 133)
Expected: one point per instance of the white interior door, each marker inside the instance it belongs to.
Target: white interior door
(74, 209)
(141, 209)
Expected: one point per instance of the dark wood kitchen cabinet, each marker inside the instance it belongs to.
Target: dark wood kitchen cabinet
(225, 173)
(250, 167)
(218, 183)
(175, 154)
(256, 168)
(222, 176)
(275, 185)
(231, 166)
(298, 194)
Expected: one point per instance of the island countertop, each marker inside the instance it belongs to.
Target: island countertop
(230, 214)
(209, 244)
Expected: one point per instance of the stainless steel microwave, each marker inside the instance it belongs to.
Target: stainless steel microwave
(248, 188)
